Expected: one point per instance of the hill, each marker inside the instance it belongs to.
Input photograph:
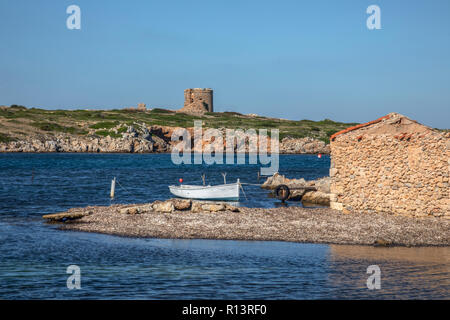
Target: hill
(21, 123)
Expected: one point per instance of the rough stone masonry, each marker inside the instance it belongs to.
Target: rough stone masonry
(198, 101)
(392, 165)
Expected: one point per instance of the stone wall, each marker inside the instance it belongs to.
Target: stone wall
(198, 101)
(396, 166)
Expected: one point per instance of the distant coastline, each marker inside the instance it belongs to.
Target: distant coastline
(128, 130)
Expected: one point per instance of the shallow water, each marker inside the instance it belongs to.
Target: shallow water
(34, 256)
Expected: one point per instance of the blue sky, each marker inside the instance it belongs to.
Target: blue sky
(288, 59)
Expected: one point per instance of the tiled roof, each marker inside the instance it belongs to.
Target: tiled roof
(359, 126)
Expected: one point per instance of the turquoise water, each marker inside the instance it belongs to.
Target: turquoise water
(34, 256)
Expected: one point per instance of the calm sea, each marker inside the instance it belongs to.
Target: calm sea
(34, 256)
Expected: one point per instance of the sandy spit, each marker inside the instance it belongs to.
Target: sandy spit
(294, 224)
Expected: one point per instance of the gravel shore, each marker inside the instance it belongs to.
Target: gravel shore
(294, 224)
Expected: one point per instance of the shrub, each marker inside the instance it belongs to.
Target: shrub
(232, 113)
(51, 126)
(122, 129)
(104, 125)
(325, 139)
(330, 132)
(106, 133)
(15, 106)
(5, 138)
(159, 110)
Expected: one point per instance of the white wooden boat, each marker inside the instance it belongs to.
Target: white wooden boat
(227, 192)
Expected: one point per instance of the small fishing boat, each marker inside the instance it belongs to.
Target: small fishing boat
(229, 192)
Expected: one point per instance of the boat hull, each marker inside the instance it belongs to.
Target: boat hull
(227, 192)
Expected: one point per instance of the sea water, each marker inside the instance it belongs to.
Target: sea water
(34, 256)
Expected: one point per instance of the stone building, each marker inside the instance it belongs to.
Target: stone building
(393, 165)
(198, 101)
(142, 107)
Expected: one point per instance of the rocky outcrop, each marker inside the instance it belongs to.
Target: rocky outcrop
(316, 197)
(322, 184)
(167, 206)
(131, 210)
(303, 145)
(181, 204)
(321, 196)
(66, 216)
(62, 143)
(173, 205)
(140, 138)
(137, 139)
(164, 207)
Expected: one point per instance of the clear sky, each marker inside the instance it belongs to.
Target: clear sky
(289, 59)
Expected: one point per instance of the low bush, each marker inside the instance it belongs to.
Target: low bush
(106, 133)
(104, 125)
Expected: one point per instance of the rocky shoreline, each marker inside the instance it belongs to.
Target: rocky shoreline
(133, 140)
(137, 138)
(183, 219)
(319, 196)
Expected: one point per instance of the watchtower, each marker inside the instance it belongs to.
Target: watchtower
(198, 100)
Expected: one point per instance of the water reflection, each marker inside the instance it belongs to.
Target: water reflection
(432, 255)
(412, 273)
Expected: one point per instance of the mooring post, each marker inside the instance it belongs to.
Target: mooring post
(113, 187)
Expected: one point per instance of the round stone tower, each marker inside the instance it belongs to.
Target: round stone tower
(198, 100)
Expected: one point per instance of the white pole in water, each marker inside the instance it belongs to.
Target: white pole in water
(113, 187)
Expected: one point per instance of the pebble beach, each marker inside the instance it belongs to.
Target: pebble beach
(293, 224)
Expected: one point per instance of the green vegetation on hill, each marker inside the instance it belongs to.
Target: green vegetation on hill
(106, 133)
(104, 125)
(51, 126)
(80, 121)
(5, 138)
